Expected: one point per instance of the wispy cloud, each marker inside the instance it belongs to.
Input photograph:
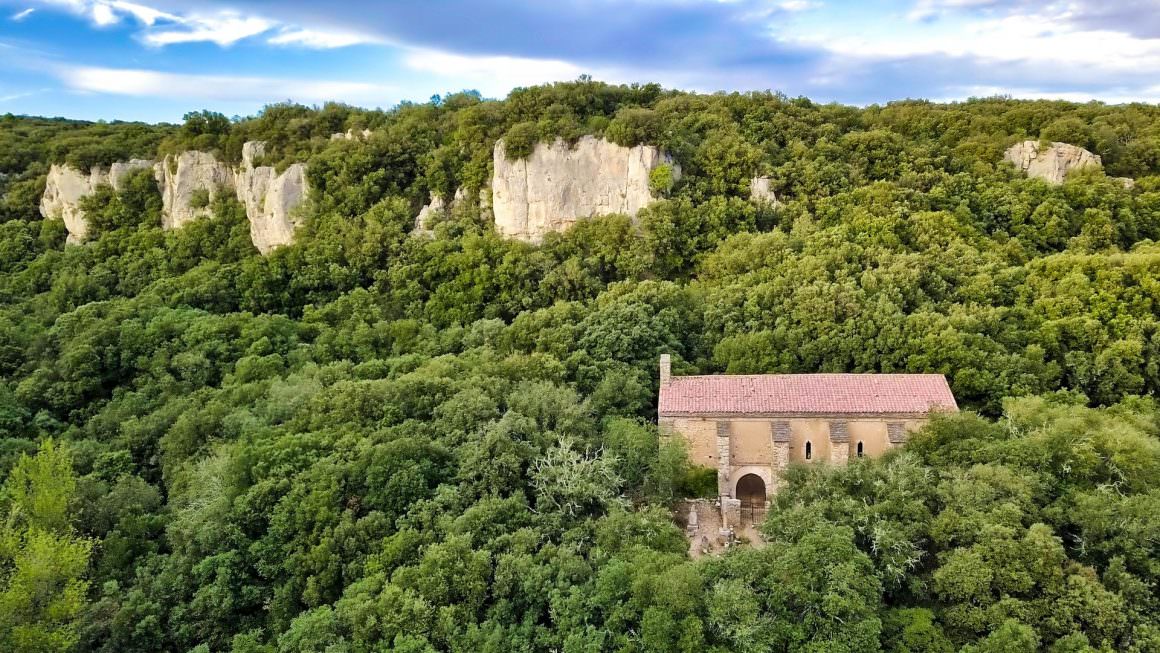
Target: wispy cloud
(798, 5)
(18, 96)
(924, 10)
(223, 29)
(152, 83)
(493, 76)
(1078, 49)
(162, 27)
(21, 15)
(320, 39)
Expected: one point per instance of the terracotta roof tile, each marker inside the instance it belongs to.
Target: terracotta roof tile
(806, 394)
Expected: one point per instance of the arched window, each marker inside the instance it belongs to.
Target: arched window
(860, 449)
(809, 450)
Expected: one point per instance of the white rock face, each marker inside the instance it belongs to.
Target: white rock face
(183, 177)
(351, 135)
(251, 152)
(66, 186)
(558, 185)
(436, 206)
(269, 198)
(1051, 164)
(761, 192)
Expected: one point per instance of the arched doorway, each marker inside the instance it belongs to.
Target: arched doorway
(751, 493)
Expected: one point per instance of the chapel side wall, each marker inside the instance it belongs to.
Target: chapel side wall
(814, 430)
(700, 436)
(752, 442)
(873, 436)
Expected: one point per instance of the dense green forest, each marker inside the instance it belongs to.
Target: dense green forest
(377, 441)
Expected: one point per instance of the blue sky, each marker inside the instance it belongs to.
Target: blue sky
(156, 59)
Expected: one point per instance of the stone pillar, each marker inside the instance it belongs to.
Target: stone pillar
(839, 443)
(724, 449)
(781, 433)
(666, 368)
(730, 514)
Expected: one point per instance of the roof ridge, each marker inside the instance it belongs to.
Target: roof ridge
(804, 374)
(825, 392)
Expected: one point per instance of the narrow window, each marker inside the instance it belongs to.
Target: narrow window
(809, 451)
(859, 449)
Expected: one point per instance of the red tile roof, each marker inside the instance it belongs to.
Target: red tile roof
(798, 394)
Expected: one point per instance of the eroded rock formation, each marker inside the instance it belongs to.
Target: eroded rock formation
(435, 207)
(760, 191)
(270, 198)
(1052, 164)
(189, 183)
(558, 185)
(66, 187)
(351, 135)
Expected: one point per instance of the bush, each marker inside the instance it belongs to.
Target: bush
(199, 198)
(520, 140)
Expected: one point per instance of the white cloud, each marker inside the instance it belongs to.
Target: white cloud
(1036, 39)
(491, 75)
(798, 5)
(152, 83)
(928, 9)
(321, 40)
(162, 28)
(147, 15)
(21, 15)
(17, 96)
(103, 15)
(222, 29)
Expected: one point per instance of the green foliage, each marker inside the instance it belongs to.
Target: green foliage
(635, 126)
(520, 140)
(42, 562)
(368, 441)
(660, 180)
(199, 198)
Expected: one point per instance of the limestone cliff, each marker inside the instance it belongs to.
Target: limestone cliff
(66, 186)
(760, 191)
(351, 135)
(1052, 164)
(269, 198)
(186, 182)
(435, 207)
(558, 185)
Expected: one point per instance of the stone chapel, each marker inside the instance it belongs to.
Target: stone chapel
(750, 427)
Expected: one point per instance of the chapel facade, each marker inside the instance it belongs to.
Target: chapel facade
(750, 427)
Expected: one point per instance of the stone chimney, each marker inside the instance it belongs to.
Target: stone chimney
(666, 368)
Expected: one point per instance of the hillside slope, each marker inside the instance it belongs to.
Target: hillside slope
(380, 437)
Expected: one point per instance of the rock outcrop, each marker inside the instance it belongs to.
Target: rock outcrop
(351, 135)
(66, 187)
(761, 192)
(435, 207)
(1051, 164)
(270, 198)
(189, 183)
(558, 185)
